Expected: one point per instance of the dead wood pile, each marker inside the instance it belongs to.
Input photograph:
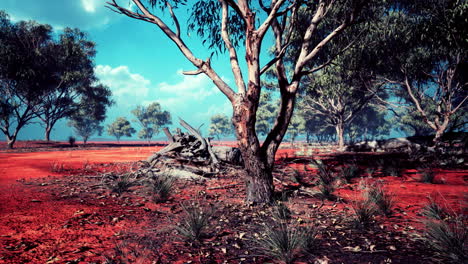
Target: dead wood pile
(190, 152)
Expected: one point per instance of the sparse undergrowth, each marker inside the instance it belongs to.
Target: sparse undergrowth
(194, 221)
(446, 233)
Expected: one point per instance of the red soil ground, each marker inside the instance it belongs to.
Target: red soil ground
(44, 218)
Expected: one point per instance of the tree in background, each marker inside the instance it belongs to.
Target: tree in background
(296, 127)
(86, 121)
(220, 126)
(338, 94)
(71, 75)
(369, 124)
(266, 114)
(151, 119)
(225, 24)
(428, 65)
(24, 64)
(119, 128)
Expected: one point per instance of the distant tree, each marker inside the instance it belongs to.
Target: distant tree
(24, 64)
(220, 126)
(338, 94)
(296, 127)
(428, 65)
(120, 127)
(266, 114)
(151, 119)
(91, 112)
(71, 75)
(369, 124)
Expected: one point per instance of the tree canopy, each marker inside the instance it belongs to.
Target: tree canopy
(119, 128)
(151, 118)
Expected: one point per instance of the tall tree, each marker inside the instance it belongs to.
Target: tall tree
(266, 114)
(151, 119)
(119, 128)
(86, 121)
(220, 126)
(369, 124)
(338, 94)
(296, 127)
(71, 74)
(226, 23)
(428, 65)
(24, 64)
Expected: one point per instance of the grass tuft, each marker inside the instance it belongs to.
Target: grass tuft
(377, 195)
(122, 184)
(364, 211)
(284, 242)
(194, 222)
(162, 187)
(349, 172)
(326, 180)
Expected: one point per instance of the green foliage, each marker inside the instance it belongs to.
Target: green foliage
(446, 233)
(382, 199)
(349, 172)
(120, 127)
(122, 183)
(284, 242)
(326, 180)
(87, 120)
(296, 127)
(220, 126)
(194, 221)
(364, 211)
(151, 119)
(162, 188)
(266, 114)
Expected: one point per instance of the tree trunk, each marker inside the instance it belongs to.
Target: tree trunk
(48, 129)
(11, 141)
(258, 178)
(340, 135)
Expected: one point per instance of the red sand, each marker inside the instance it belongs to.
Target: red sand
(30, 216)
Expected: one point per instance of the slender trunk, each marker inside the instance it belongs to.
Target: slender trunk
(11, 141)
(438, 135)
(48, 129)
(340, 135)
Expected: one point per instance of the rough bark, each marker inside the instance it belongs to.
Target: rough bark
(340, 135)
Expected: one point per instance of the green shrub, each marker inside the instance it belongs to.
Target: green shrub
(349, 172)
(326, 180)
(377, 195)
(162, 187)
(364, 211)
(194, 221)
(449, 238)
(122, 184)
(284, 242)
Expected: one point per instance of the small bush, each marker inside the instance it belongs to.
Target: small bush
(122, 184)
(57, 167)
(283, 242)
(364, 211)
(71, 140)
(194, 221)
(370, 172)
(427, 175)
(434, 210)
(449, 238)
(350, 172)
(377, 195)
(162, 187)
(326, 180)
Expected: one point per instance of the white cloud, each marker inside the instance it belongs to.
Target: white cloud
(194, 98)
(83, 14)
(127, 87)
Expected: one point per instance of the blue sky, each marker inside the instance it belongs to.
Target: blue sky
(135, 59)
